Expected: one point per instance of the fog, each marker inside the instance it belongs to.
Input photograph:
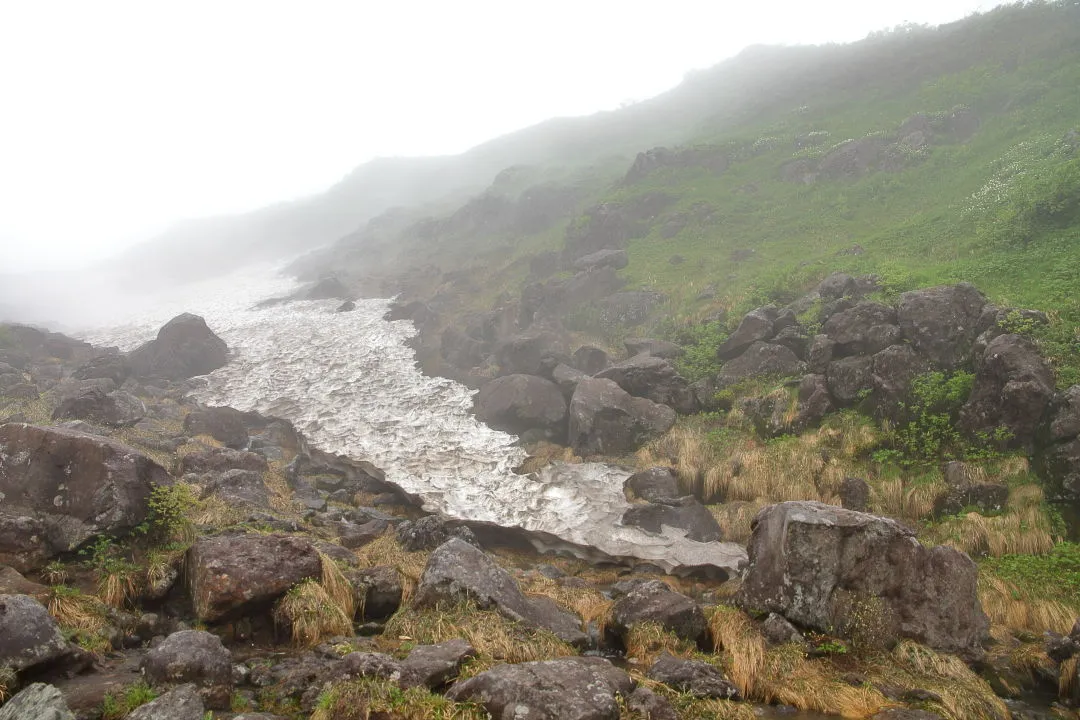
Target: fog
(121, 118)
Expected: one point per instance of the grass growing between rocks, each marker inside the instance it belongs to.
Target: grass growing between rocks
(496, 639)
(318, 609)
(588, 604)
(8, 680)
(116, 706)
(369, 697)
(386, 550)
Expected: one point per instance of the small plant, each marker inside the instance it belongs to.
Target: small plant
(170, 507)
(831, 646)
(115, 706)
(55, 573)
(116, 575)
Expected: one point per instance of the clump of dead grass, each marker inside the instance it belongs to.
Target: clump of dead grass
(1024, 528)
(318, 609)
(366, 698)
(646, 641)
(588, 604)
(734, 518)
(386, 550)
(1020, 609)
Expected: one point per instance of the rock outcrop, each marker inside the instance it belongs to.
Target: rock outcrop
(193, 656)
(605, 419)
(518, 403)
(654, 378)
(29, 636)
(184, 347)
(653, 601)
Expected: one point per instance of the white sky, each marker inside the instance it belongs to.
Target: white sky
(117, 118)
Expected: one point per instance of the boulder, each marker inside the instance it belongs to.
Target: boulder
(29, 636)
(590, 359)
(183, 703)
(1060, 464)
(837, 285)
(221, 459)
(815, 402)
(1065, 423)
(193, 656)
(942, 322)
(184, 347)
(755, 326)
(224, 424)
(854, 494)
(64, 487)
(778, 631)
(13, 583)
(650, 706)
(36, 702)
(1013, 387)
(574, 688)
(238, 574)
(535, 353)
(656, 348)
(653, 601)
(378, 591)
(653, 484)
(685, 513)
(616, 259)
(865, 329)
(893, 371)
(696, 677)
(566, 378)
(851, 379)
(430, 532)
(433, 666)
(605, 419)
(814, 563)
(111, 365)
(820, 353)
(653, 378)
(517, 403)
(458, 571)
(964, 490)
(115, 409)
(761, 359)
(239, 488)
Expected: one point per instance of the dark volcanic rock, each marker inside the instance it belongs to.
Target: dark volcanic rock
(616, 259)
(685, 513)
(590, 360)
(183, 703)
(244, 488)
(854, 494)
(893, 371)
(761, 359)
(650, 706)
(865, 329)
(29, 636)
(430, 532)
(653, 484)
(576, 688)
(942, 322)
(756, 325)
(530, 354)
(224, 424)
(851, 379)
(111, 365)
(815, 402)
(433, 666)
(117, 409)
(221, 459)
(810, 562)
(1066, 415)
(567, 379)
(65, 487)
(696, 677)
(458, 571)
(653, 378)
(184, 347)
(653, 601)
(517, 403)
(378, 589)
(1013, 387)
(231, 575)
(605, 419)
(193, 656)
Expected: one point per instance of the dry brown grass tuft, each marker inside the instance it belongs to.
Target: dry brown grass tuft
(786, 469)
(964, 695)
(1024, 528)
(588, 604)
(890, 497)
(8, 680)
(686, 449)
(789, 678)
(736, 635)
(542, 454)
(1010, 606)
(647, 640)
(386, 551)
(735, 518)
(281, 495)
(1068, 681)
(312, 614)
(73, 609)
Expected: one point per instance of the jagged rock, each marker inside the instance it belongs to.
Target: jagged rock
(854, 494)
(811, 562)
(240, 488)
(696, 677)
(530, 354)
(756, 325)
(815, 402)
(653, 601)
(62, 487)
(193, 656)
(457, 571)
(605, 419)
(13, 583)
(590, 360)
(837, 285)
(650, 706)
(110, 365)
(893, 371)
(1066, 415)
(184, 347)
(29, 636)
(183, 703)
(653, 378)
(820, 354)
(575, 688)
(231, 575)
(761, 359)
(433, 666)
(851, 379)
(430, 532)
(378, 591)
(328, 288)
(656, 348)
(616, 259)
(942, 322)
(1013, 387)
(793, 339)
(685, 513)
(567, 379)
(220, 460)
(116, 409)
(36, 702)
(653, 484)
(347, 306)
(224, 424)
(518, 403)
(778, 631)
(865, 329)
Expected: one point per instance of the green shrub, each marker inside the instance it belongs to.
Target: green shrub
(700, 343)
(170, 506)
(930, 434)
(1055, 575)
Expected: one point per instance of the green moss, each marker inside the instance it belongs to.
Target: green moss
(1053, 576)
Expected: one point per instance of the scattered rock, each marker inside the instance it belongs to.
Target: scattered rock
(193, 656)
(651, 706)
(378, 590)
(854, 494)
(115, 409)
(865, 329)
(433, 666)
(656, 483)
(778, 631)
(850, 379)
(567, 379)
(36, 702)
(224, 424)
(685, 513)
(606, 420)
(761, 359)
(653, 378)
(576, 688)
(29, 636)
(696, 677)
(183, 703)
(184, 347)
(430, 532)
(518, 403)
(942, 322)
(653, 601)
(590, 360)
(220, 460)
(755, 326)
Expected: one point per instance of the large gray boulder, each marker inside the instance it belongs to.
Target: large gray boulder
(655, 483)
(1013, 387)
(865, 329)
(942, 322)
(607, 420)
(184, 347)
(193, 656)
(115, 409)
(458, 571)
(517, 403)
(654, 378)
(815, 564)
(761, 359)
(576, 688)
(756, 325)
(851, 379)
(60, 487)
(232, 574)
(696, 677)
(36, 702)
(533, 353)
(653, 601)
(29, 636)
(224, 424)
(1065, 422)
(685, 513)
(433, 666)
